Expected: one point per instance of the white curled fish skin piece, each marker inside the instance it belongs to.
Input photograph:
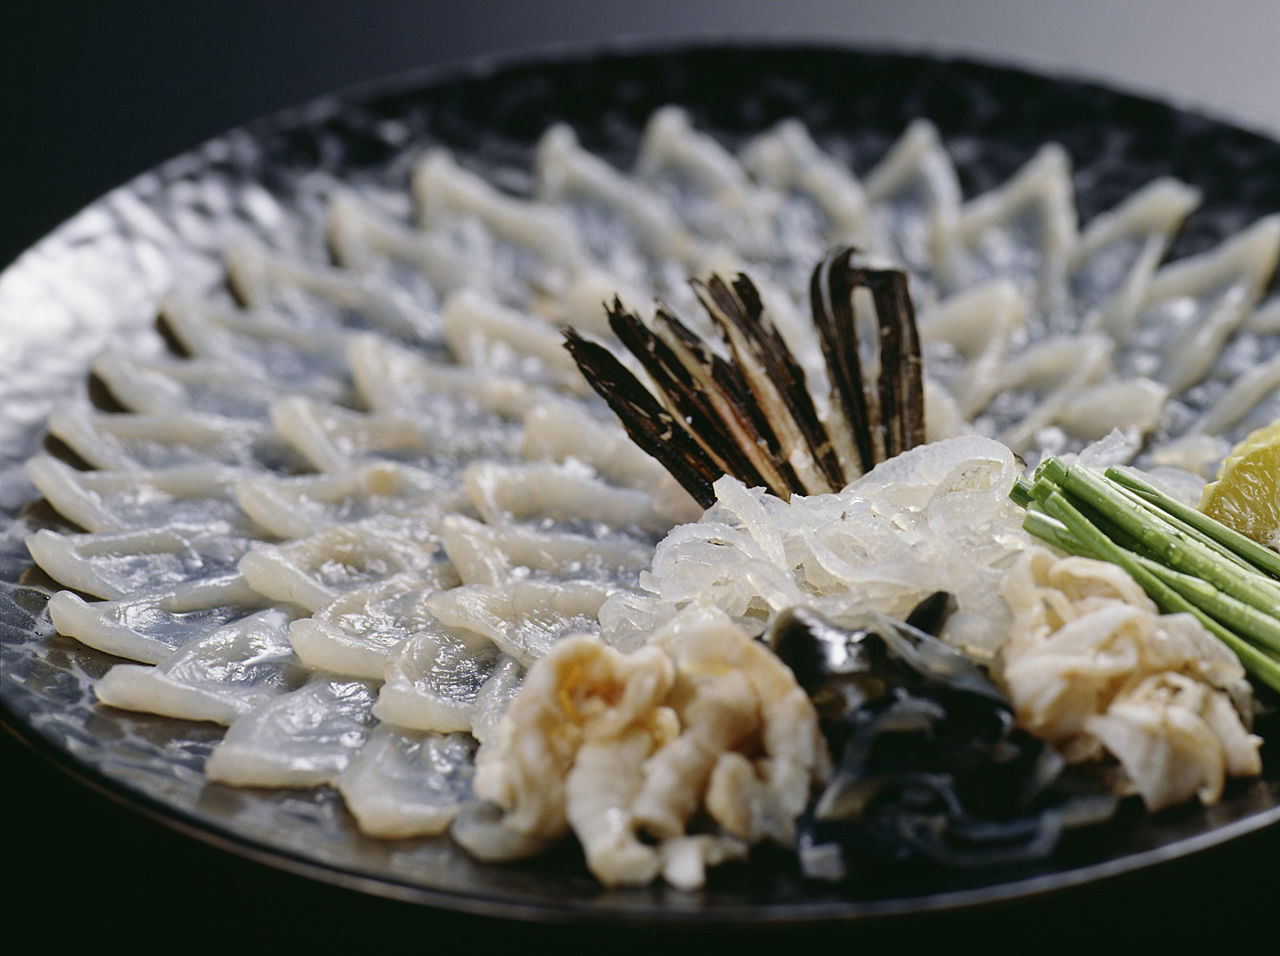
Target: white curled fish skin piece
(617, 747)
(1091, 666)
(580, 691)
(599, 790)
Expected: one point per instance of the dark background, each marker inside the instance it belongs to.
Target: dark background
(94, 93)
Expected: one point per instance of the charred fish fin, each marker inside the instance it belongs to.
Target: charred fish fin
(646, 421)
(709, 397)
(901, 385)
(777, 380)
(887, 418)
(751, 414)
(831, 290)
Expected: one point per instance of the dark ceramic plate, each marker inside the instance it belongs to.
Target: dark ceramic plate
(98, 277)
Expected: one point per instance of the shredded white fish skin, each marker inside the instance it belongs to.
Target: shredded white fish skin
(937, 517)
(613, 746)
(1092, 666)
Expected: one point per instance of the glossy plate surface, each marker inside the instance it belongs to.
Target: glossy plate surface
(98, 278)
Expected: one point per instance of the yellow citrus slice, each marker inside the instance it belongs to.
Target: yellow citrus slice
(1246, 495)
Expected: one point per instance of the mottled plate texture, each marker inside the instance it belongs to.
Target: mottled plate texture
(97, 279)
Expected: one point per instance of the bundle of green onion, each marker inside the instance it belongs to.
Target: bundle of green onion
(1183, 559)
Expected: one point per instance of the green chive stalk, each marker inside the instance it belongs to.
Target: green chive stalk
(1171, 545)
(1249, 550)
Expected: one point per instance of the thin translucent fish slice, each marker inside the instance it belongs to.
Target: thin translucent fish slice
(533, 241)
(444, 191)
(482, 333)
(117, 442)
(103, 501)
(1241, 391)
(432, 679)
(914, 195)
(523, 618)
(359, 632)
(562, 494)
(392, 378)
(488, 554)
(1024, 231)
(265, 342)
(334, 439)
(120, 501)
(315, 570)
(1249, 402)
(266, 279)
(224, 675)
(149, 628)
(494, 696)
(208, 386)
(611, 211)
(968, 337)
(1194, 306)
(305, 738)
(1040, 383)
(402, 784)
(1118, 254)
(559, 430)
(297, 506)
(787, 159)
(113, 565)
(702, 179)
(366, 240)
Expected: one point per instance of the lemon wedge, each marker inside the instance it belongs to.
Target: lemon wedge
(1246, 494)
